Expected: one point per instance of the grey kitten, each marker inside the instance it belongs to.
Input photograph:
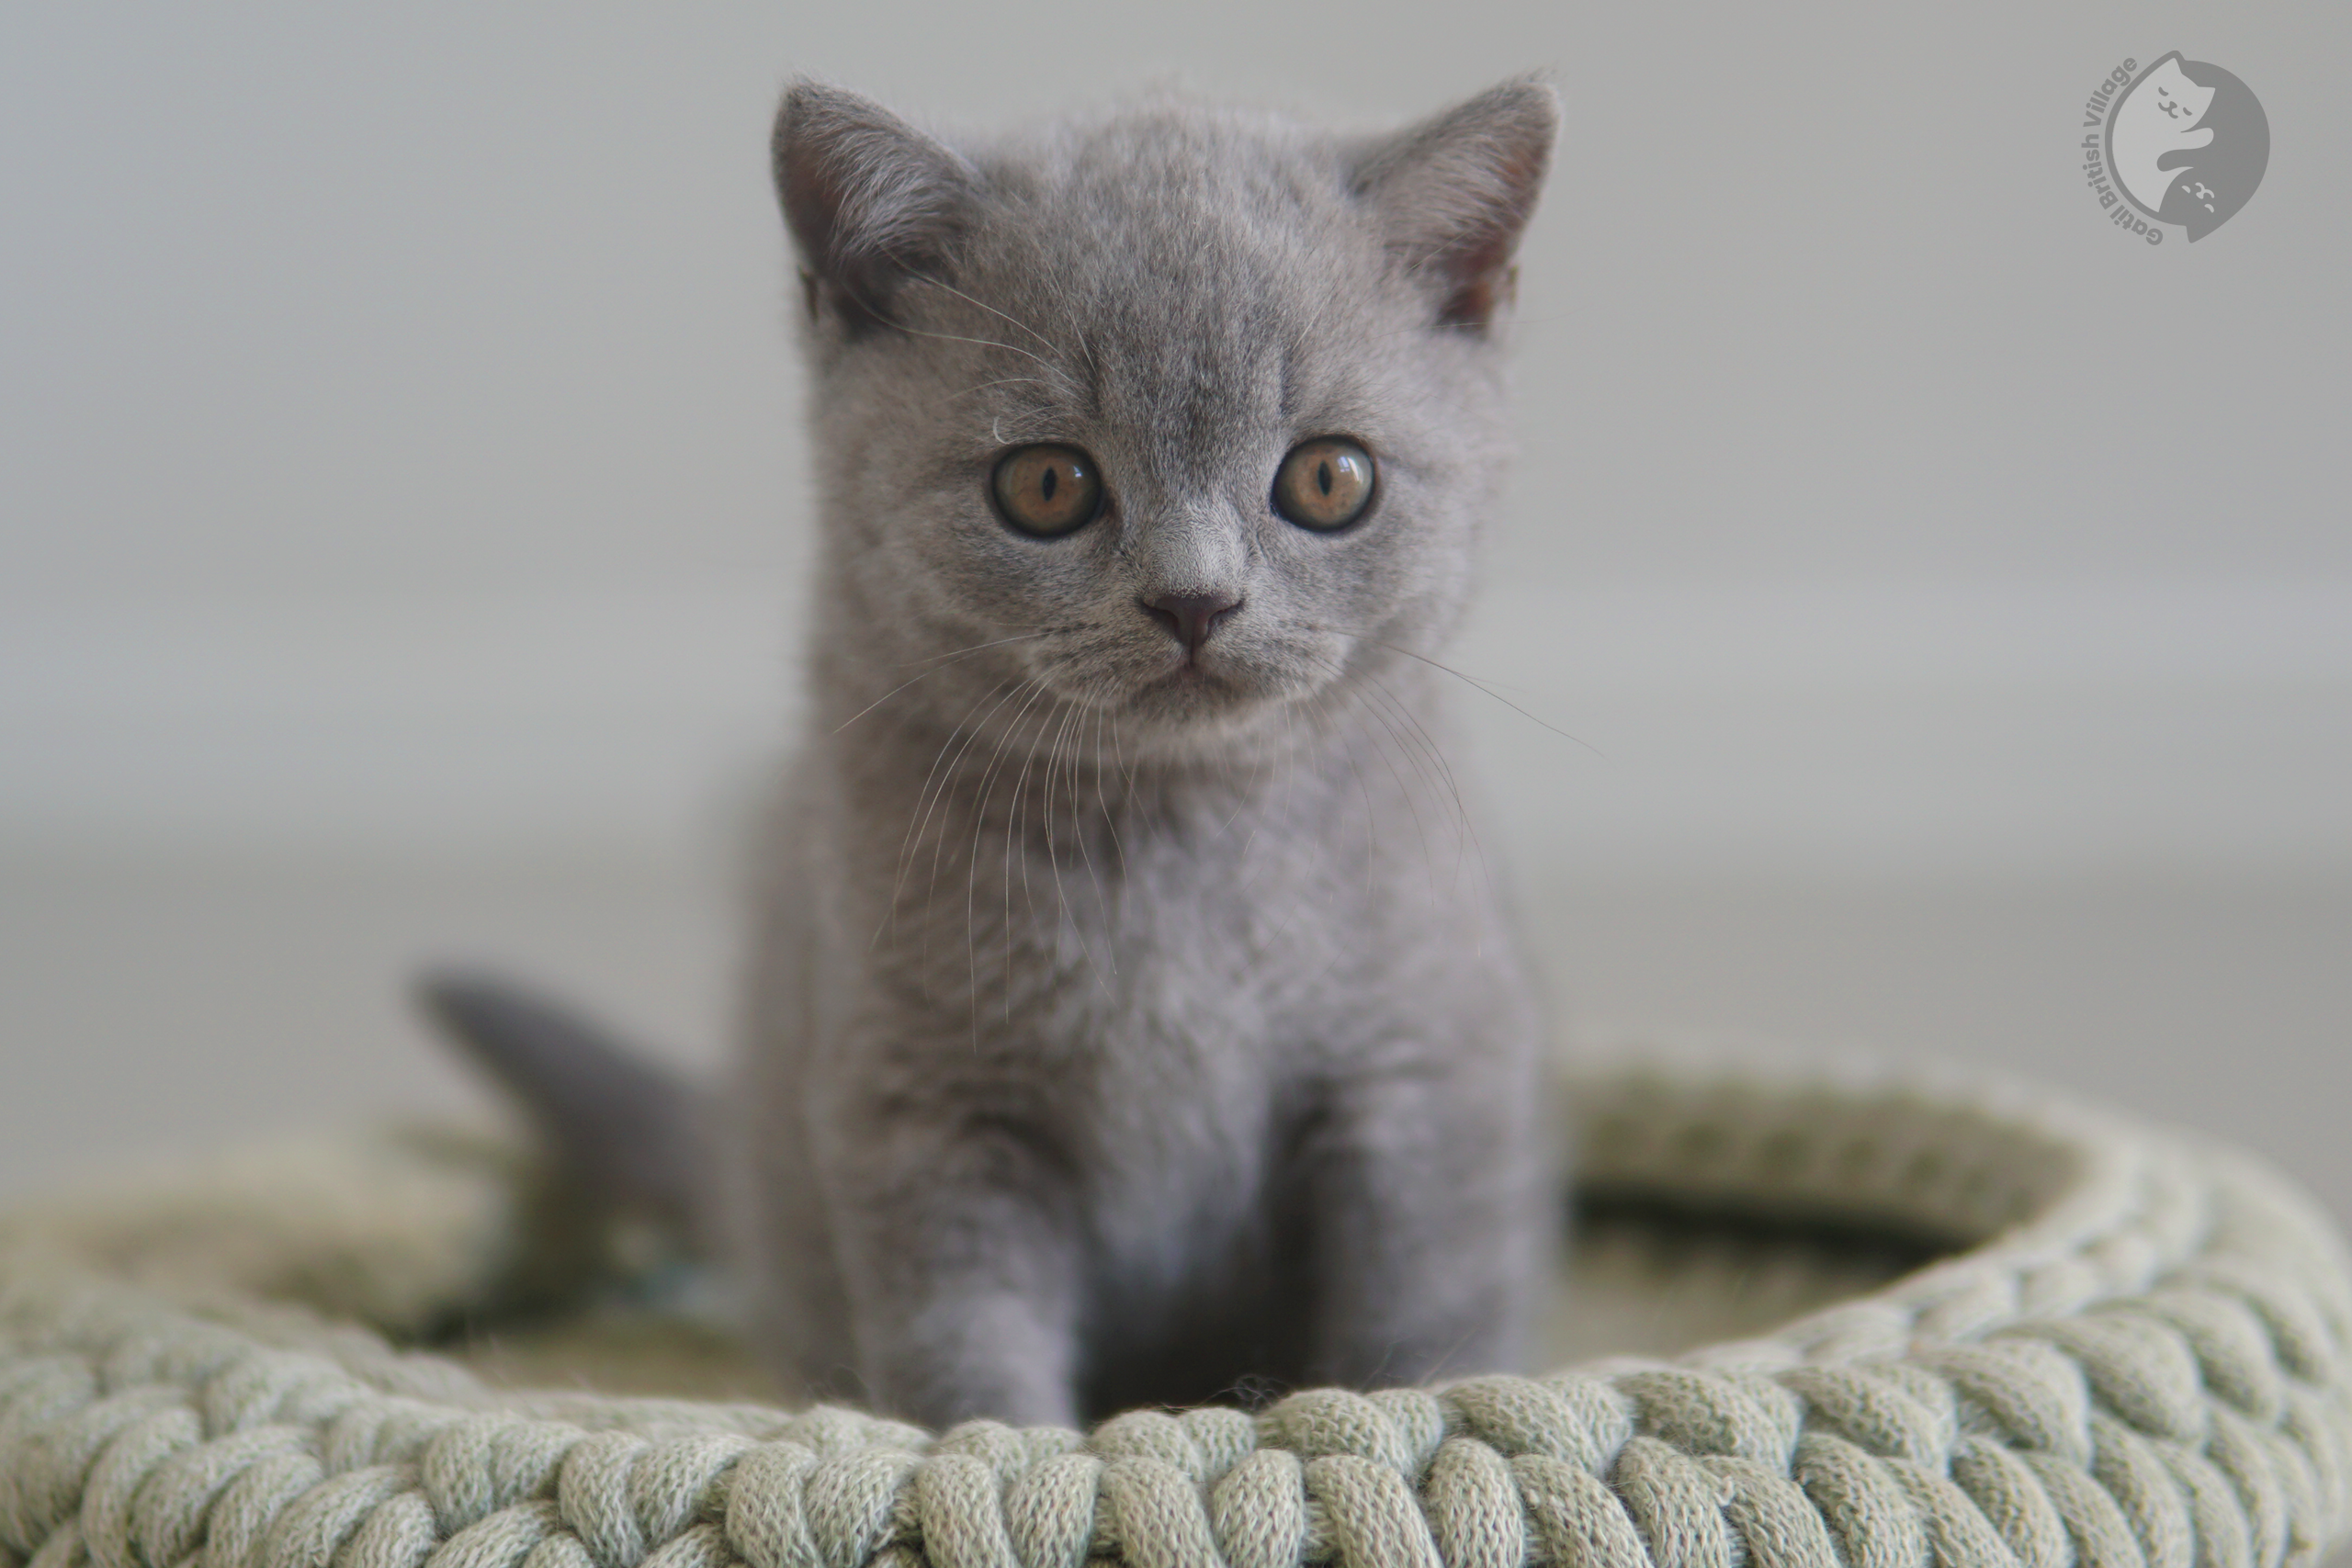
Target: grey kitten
(1132, 1019)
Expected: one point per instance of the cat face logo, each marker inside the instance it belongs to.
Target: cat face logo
(2188, 144)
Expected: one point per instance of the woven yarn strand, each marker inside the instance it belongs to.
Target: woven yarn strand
(2142, 1360)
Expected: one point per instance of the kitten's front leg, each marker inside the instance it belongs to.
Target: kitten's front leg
(957, 1249)
(1428, 1215)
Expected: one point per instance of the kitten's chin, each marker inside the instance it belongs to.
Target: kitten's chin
(1198, 715)
(1186, 713)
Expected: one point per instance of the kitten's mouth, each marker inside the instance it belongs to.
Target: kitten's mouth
(1176, 690)
(1194, 688)
(1220, 683)
(1191, 679)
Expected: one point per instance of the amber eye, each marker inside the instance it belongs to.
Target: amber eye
(1048, 490)
(1324, 483)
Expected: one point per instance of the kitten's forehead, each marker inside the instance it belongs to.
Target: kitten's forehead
(1182, 261)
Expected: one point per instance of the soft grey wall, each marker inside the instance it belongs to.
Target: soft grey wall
(401, 529)
(399, 433)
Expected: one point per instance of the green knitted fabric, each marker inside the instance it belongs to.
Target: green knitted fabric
(2137, 1357)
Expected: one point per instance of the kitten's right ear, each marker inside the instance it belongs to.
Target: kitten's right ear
(870, 200)
(1454, 194)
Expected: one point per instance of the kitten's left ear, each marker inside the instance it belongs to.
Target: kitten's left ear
(871, 201)
(1454, 194)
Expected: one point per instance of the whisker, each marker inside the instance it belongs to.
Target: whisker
(999, 382)
(1045, 821)
(931, 775)
(1429, 747)
(1013, 728)
(1424, 754)
(1110, 818)
(939, 793)
(1466, 680)
(908, 841)
(1429, 859)
(977, 342)
(1000, 315)
(1074, 728)
(955, 653)
(1396, 720)
(972, 873)
(1110, 945)
(1045, 828)
(1466, 838)
(1012, 843)
(1119, 758)
(867, 306)
(938, 662)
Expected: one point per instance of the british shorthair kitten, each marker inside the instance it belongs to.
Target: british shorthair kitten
(1132, 1020)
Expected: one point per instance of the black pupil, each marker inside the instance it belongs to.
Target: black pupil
(1052, 480)
(1323, 477)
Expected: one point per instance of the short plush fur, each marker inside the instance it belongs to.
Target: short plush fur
(1134, 1019)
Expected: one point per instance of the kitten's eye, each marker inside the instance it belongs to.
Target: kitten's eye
(1048, 490)
(1324, 483)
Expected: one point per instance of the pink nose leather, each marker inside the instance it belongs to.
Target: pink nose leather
(1190, 618)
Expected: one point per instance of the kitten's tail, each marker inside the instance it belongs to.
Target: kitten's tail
(629, 1140)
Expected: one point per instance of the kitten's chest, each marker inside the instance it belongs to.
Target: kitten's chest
(1183, 955)
(1189, 1053)
(1203, 946)
(1158, 987)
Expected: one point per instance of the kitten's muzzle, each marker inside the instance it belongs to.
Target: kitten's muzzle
(1190, 618)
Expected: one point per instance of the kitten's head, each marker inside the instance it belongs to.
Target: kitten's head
(1189, 417)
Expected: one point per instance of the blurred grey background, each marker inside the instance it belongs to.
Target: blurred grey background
(402, 531)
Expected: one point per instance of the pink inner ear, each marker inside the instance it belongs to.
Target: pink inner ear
(813, 198)
(1484, 278)
(1480, 264)
(812, 204)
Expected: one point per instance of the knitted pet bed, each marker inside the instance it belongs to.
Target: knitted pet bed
(2132, 1350)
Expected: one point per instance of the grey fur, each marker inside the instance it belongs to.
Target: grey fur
(630, 1142)
(1128, 1023)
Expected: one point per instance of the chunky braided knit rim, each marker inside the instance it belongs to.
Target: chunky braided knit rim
(2141, 1360)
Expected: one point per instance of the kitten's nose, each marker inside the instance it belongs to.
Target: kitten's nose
(1190, 618)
